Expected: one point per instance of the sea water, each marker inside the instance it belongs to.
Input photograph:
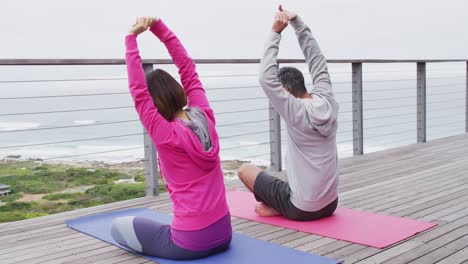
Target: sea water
(389, 93)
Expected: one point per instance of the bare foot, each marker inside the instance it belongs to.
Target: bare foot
(264, 210)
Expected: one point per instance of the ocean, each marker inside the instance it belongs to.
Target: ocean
(114, 134)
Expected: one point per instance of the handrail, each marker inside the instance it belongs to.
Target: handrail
(57, 62)
(353, 102)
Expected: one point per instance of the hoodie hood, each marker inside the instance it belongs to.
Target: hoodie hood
(202, 142)
(322, 113)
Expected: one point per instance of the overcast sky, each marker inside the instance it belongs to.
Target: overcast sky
(345, 29)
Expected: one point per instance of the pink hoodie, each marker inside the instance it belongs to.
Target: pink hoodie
(194, 176)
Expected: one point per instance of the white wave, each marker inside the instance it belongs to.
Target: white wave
(247, 143)
(84, 122)
(108, 154)
(92, 148)
(260, 161)
(10, 126)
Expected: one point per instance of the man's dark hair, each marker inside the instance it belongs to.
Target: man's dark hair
(293, 80)
(168, 95)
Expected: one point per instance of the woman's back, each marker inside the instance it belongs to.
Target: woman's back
(193, 172)
(188, 154)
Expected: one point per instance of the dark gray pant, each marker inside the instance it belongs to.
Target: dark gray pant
(277, 194)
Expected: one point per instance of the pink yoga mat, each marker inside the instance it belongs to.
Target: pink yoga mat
(369, 229)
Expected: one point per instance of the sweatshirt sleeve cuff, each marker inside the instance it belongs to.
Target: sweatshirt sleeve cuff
(297, 23)
(131, 41)
(159, 29)
(274, 36)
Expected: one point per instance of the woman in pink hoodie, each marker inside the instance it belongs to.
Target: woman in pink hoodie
(188, 147)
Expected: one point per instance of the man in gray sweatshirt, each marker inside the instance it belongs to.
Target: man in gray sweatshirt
(311, 122)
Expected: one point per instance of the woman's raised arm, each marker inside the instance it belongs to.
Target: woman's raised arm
(187, 69)
(155, 124)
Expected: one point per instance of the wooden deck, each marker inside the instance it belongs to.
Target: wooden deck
(427, 181)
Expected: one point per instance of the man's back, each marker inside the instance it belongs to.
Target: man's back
(311, 156)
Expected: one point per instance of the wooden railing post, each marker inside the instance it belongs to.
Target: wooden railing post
(151, 157)
(275, 140)
(421, 101)
(358, 135)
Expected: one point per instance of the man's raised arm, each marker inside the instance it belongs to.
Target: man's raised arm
(283, 102)
(314, 58)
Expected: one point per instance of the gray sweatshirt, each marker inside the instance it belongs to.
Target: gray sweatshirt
(311, 124)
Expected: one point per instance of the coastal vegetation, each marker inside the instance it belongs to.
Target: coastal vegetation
(43, 189)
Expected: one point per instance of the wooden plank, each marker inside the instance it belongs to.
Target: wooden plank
(455, 215)
(117, 259)
(276, 234)
(316, 244)
(69, 259)
(56, 253)
(396, 204)
(83, 240)
(329, 248)
(413, 151)
(60, 239)
(102, 253)
(36, 239)
(442, 209)
(425, 199)
(345, 251)
(398, 193)
(427, 247)
(431, 203)
(360, 255)
(380, 172)
(441, 230)
(458, 257)
(301, 241)
(266, 231)
(366, 166)
(137, 260)
(443, 252)
(391, 252)
(253, 229)
(404, 181)
(288, 238)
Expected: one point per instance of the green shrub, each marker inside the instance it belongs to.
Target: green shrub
(16, 216)
(140, 178)
(17, 206)
(10, 198)
(89, 200)
(118, 192)
(48, 178)
(15, 169)
(48, 205)
(61, 196)
(42, 167)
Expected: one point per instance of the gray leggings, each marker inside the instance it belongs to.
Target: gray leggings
(152, 238)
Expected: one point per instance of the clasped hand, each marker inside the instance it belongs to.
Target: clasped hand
(282, 19)
(142, 24)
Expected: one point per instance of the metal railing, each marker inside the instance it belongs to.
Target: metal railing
(353, 102)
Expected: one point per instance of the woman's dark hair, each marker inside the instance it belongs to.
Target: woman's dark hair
(168, 95)
(293, 79)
